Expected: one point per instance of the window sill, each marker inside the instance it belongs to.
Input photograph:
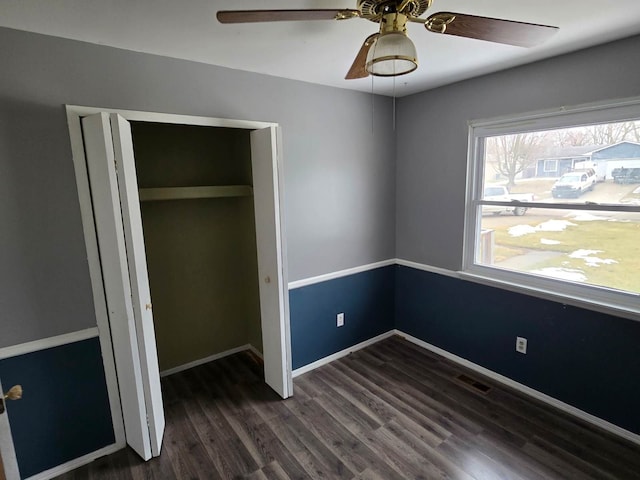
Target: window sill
(572, 296)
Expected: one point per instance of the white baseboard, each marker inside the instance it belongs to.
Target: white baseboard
(340, 354)
(255, 351)
(76, 462)
(210, 358)
(37, 345)
(576, 412)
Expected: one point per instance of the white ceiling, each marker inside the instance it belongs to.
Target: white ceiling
(321, 51)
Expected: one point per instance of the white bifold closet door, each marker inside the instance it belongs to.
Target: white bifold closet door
(271, 271)
(116, 208)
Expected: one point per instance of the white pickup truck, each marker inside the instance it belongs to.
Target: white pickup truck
(500, 193)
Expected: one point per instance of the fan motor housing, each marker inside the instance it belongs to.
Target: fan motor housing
(374, 9)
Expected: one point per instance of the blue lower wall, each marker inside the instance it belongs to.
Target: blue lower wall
(64, 412)
(365, 298)
(586, 359)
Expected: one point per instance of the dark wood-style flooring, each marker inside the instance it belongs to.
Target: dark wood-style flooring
(390, 411)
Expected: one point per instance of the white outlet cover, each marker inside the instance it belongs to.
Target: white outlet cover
(340, 319)
(521, 345)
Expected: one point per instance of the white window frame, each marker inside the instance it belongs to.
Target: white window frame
(597, 298)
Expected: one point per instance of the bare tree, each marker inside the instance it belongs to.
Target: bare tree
(570, 138)
(600, 135)
(610, 133)
(514, 153)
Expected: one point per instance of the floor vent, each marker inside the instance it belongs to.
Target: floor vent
(473, 383)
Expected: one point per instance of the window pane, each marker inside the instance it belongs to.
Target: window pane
(597, 163)
(597, 247)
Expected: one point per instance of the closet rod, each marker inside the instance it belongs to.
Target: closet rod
(187, 193)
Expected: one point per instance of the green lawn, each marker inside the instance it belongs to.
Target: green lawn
(619, 241)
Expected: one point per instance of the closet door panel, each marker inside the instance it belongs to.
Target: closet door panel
(273, 288)
(137, 261)
(100, 158)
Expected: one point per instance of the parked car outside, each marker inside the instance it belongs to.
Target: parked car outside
(500, 193)
(626, 175)
(574, 183)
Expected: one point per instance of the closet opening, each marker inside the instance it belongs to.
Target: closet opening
(183, 224)
(196, 199)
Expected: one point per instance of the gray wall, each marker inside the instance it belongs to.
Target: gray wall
(433, 130)
(339, 166)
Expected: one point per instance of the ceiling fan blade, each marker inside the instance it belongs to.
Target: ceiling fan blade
(250, 16)
(520, 34)
(358, 69)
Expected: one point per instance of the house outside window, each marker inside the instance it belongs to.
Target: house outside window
(573, 236)
(551, 165)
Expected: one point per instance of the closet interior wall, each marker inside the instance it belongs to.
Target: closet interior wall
(201, 252)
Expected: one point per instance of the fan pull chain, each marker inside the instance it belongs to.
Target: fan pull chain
(394, 103)
(373, 104)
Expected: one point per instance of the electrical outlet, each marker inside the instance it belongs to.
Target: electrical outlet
(521, 345)
(340, 319)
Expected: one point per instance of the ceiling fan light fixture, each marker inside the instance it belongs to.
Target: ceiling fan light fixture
(392, 54)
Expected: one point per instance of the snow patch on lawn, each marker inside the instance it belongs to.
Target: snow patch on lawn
(562, 273)
(546, 241)
(589, 217)
(520, 230)
(555, 225)
(589, 260)
(548, 226)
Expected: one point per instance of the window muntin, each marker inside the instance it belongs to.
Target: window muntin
(575, 235)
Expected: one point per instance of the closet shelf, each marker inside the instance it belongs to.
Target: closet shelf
(187, 193)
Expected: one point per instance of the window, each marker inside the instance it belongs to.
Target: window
(575, 235)
(551, 165)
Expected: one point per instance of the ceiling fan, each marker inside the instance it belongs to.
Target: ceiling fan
(389, 52)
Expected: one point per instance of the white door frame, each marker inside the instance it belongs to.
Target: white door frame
(74, 115)
(7, 451)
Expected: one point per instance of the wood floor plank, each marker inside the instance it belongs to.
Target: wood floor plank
(416, 398)
(464, 403)
(121, 465)
(189, 458)
(397, 454)
(308, 384)
(392, 411)
(226, 451)
(403, 413)
(562, 461)
(274, 471)
(368, 474)
(299, 439)
(428, 452)
(155, 469)
(257, 475)
(344, 444)
(358, 398)
(505, 459)
(355, 420)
